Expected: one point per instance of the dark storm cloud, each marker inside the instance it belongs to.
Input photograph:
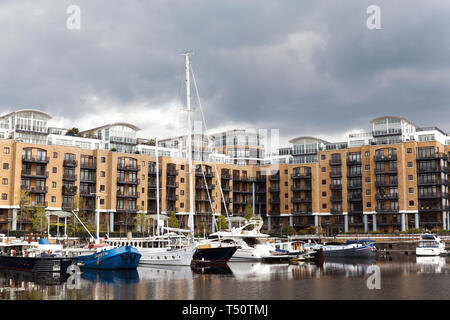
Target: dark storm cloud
(306, 67)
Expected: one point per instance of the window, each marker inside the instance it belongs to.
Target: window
(285, 172)
(324, 205)
(286, 207)
(286, 196)
(367, 154)
(368, 205)
(4, 196)
(102, 187)
(368, 179)
(411, 190)
(410, 177)
(182, 167)
(5, 181)
(102, 201)
(324, 194)
(323, 157)
(53, 199)
(6, 150)
(367, 167)
(143, 190)
(53, 184)
(411, 203)
(409, 150)
(143, 163)
(368, 192)
(181, 192)
(54, 170)
(143, 177)
(181, 203)
(102, 159)
(324, 182)
(410, 164)
(5, 166)
(182, 180)
(285, 183)
(55, 155)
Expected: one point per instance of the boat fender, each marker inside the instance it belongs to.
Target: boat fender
(26, 253)
(49, 251)
(13, 252)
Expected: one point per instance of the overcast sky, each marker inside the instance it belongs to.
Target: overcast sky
(304, 67)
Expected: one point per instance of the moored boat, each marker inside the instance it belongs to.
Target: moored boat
(110, 258)
(430, 245)
(363, 248)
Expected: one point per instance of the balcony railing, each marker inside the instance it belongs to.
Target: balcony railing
(336, 186)
(430, 156)
(301, 200)
(172, 172)
(122, 180)
(88, 179)
(128, 167)
(380, 184)
(88, 165)
(69, 176)
(385, 170)
(335, 162)
(37, 175)
(382, 157)
(70, 163)
(35, 189)
(274, 189)
(274, 178)
(306, 175)
(133, 195)
(388, 196)
(69, 191)
(386, 210)
(43, 160)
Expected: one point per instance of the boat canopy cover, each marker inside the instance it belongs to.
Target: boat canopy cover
(43, 241)
(428, 236)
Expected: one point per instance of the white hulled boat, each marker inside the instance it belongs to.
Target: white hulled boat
(430, 245)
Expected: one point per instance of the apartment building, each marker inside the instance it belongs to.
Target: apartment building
(393, 178)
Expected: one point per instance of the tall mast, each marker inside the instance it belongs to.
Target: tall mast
(157, 186)
(189, 145)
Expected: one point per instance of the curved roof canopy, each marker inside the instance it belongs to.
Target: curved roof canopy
(392, 117)
(41, 113)
(299, 139)
(126, 124)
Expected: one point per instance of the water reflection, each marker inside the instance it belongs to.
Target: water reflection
(111, 276)
(402, 277)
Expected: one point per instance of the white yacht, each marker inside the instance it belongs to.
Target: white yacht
(430, 245)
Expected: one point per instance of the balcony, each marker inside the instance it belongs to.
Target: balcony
(70, 163)
(171, 197)
(34, 204)
(37, 175)
(128, 167)
(389, 132)
(335, 162)
(203, 186)
(200, 199)
(172, 172)
(208, 174)
(336, 199)
(382, 157)
(274, 178)
(354, 186)
(69, 191)
(354, 174)
(386, 210)
(240, 202)
(335, 211)
(336, 186)
(295, 176)
(430, 156)
(335, 174)
(171, 185)
(302, 212)
(260, 190)
(133, 195)
(385, 171)
(35, 189)
(432, 195)
(389, 196)
(41, 160)
(429, 209)
(69, 176)
(126, 210)
(353, 161)
(87, 193)
(225, 176)
(274, 189)
(226, 188)
(260, 179)
(88, 178)
(274, 213)
(301, 200)
(88, 165)
(358, 197)
(430, 169)
(381, 184)
(436, 182)
(122, 180)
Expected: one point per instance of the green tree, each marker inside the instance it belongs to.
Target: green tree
(40, 220)
(221, 222)
(141, 222)
(287, 229)
(73, 132)
(173, 220)
(248, 213)
(24, 206)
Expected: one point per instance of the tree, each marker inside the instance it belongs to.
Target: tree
(141, 222)
(248, 213)
(73, 132)
(151, 142)
(173, 220)
(24, 206)
(40, 220)
(79, 205)
(287, 229)
(221, 222)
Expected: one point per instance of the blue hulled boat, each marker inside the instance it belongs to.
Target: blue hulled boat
(111, 258)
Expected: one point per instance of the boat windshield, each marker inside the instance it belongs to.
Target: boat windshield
(428, 244)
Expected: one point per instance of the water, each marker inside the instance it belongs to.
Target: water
(403, 277)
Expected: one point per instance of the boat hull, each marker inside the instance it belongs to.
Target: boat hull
(360, 251)
(36, 264)
(171, 257)
(120, 258)
(214, 255)
(429, 252)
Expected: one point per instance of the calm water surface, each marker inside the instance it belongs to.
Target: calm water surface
(401, 277)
